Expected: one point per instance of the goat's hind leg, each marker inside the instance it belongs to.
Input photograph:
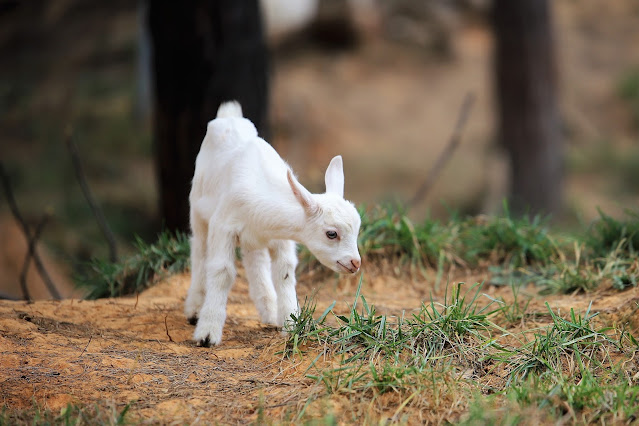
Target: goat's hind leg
(257, 264)
(284, 258)
(197, 290)
(220, 275)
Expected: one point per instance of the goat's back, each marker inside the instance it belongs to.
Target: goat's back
(236, 170)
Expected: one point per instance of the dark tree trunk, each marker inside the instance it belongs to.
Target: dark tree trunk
(527, 105)
(204, 53)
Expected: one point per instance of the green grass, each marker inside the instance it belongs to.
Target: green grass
(517, 250)
(380, 354)
(549, 398)
(608, 235)
(72, 414)
(429, 334)
(440, 329)
(514, 250)
(573, 276)
(169, 255)
(515, 312)
(606, 253)
(569, 368)
(564, 342)
(508, 240)
(387, 231)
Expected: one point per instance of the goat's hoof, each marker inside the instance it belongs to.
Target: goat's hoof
(193, 320)
(204, 343)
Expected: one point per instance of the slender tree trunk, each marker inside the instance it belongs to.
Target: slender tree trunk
(204, 53)
(527, 106)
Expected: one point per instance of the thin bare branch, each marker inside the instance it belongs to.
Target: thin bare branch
(85, 348)
(446, 154)
(13, 206)
(33, 239)
(95, 208)
(6, 185)
(166, 327)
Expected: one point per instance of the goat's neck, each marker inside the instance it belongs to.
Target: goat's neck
(290, 224)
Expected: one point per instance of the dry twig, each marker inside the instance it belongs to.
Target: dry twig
(32, 240)
(6, 184)
(446, 154)
(166, 327)
(85, 348)
(97, 211)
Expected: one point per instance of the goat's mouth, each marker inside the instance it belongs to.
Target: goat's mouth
(346, 267)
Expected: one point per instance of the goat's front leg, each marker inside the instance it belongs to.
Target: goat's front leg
(220, 275)
(284, 259)
(257, 264)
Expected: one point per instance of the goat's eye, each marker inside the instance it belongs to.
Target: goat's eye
(331, 235)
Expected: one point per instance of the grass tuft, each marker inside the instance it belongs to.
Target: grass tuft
(169, 254)
(566, 342)
(507, 240)
(608, 235)
(453, 349)
(72, 414)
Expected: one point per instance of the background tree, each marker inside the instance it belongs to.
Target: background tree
(204, 52)
(527, 104)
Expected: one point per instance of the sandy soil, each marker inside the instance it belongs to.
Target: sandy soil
(387, 107)
(138, 350)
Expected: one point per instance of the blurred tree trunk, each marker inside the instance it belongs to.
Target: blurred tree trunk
(333, 26)
(527, 105)
(204, 53)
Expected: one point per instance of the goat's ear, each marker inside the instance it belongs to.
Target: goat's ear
(335, 177)
(303, 196)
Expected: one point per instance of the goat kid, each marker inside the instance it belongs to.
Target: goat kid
(243, 192)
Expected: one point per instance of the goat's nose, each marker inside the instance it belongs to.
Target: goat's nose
(356, 263)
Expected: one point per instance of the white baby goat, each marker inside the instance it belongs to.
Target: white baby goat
(243, 192)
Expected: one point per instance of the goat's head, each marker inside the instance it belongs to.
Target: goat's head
(332, 222)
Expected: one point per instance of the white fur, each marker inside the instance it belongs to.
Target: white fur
(243, 192)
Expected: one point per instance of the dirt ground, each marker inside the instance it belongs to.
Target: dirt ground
(138, 350)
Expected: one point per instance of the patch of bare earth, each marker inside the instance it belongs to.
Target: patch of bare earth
(138, 350)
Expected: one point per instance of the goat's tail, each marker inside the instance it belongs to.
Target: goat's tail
(230, 109)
